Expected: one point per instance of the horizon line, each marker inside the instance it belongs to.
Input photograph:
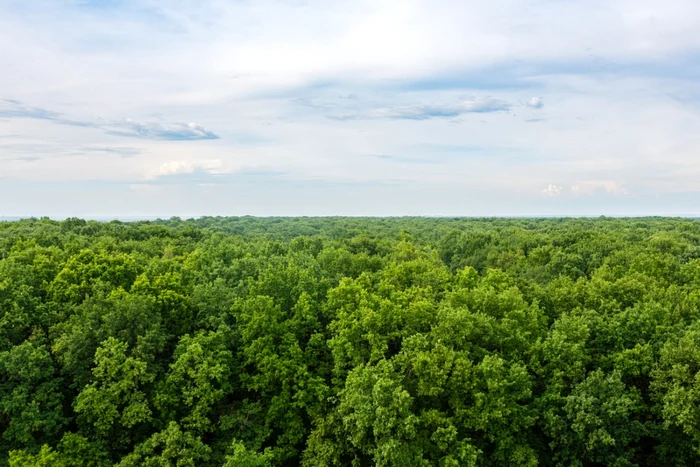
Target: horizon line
(130, 218)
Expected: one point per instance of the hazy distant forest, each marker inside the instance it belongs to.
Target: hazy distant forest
(350, 341)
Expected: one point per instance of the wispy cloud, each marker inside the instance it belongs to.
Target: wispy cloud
(118, 150)
(12, 108)
(426, 111)
(157, 130)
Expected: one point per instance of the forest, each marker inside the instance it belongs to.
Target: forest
(258, 342)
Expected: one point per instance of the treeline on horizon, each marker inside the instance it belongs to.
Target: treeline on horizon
(350, 341)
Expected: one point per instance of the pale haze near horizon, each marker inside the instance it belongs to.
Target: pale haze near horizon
(157, 108)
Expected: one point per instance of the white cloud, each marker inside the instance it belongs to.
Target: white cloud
(175, 167)
(179, 167)
(552, 190)
(535, 103)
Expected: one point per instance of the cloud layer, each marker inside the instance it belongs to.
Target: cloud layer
(538, 111)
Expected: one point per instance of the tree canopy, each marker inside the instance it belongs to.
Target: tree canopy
(350, 341)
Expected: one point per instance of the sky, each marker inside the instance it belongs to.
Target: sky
(128, 108)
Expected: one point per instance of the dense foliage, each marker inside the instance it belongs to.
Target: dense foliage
(321, 342)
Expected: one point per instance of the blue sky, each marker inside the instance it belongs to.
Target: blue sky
(305, 107)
